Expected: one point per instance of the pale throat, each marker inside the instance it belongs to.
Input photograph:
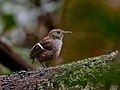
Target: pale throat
(58, 45)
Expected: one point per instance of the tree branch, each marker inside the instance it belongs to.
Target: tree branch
(91, 73)
(12, 60)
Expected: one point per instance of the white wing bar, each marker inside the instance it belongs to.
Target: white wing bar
(38, 45)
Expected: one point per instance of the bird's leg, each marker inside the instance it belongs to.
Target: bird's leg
(33, 60)
(43, 64)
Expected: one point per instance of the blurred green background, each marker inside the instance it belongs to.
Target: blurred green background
(95, 25)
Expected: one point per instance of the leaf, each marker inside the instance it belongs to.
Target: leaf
(8, 22)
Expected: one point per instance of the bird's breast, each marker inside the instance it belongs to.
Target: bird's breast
(58, 44)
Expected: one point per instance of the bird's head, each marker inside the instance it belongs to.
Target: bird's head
(58, 33)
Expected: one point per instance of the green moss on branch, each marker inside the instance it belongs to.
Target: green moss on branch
(96, 73)
(92, 72)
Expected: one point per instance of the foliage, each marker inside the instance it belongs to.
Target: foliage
(95, 26)
(8, 21)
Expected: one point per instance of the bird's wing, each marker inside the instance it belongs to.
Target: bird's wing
(37, 48)
(47, 43)
(43, 45)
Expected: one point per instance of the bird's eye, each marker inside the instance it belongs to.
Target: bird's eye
(58, 32)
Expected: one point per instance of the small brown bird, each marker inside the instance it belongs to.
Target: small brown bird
(49, 47)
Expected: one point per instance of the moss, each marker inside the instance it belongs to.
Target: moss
(89, 73)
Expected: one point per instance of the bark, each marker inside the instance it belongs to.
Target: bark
(96, 73)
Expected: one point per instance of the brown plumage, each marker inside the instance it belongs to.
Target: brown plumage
(49, 47)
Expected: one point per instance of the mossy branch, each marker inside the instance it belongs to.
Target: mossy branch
(94, 73)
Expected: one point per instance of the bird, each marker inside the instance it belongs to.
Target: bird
(49, 47)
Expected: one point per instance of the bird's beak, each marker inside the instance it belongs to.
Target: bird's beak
(67, 32)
